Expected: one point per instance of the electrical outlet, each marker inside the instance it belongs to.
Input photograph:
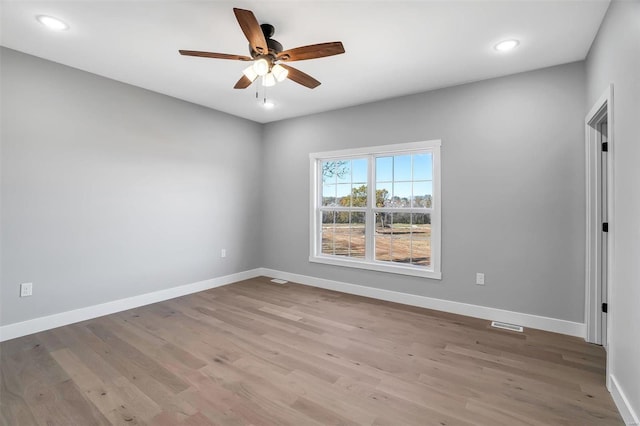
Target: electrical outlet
(480, 278)
(26, 289)
(223, 253)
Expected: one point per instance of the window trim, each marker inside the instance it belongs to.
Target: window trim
(315, 255)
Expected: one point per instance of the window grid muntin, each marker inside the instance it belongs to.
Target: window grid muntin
(412, 182)
(412, 225)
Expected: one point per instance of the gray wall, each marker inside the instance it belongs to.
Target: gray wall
(512, 188)
(615, 58)
(110, 191)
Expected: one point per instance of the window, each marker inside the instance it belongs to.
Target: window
(378, 208)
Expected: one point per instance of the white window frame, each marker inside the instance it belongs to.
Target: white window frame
(315, 228)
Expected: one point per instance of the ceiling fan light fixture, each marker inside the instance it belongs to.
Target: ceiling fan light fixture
(261, 66)
(279, 72)
(250, 73)
(506, 45)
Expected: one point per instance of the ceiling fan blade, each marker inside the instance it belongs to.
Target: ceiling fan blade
(243, 83)
(312, 51)
(301, 78)
(214, 55)
(251, 29)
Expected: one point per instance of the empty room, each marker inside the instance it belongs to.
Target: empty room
(319, 212)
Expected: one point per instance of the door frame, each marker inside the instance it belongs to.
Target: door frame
(593, 294)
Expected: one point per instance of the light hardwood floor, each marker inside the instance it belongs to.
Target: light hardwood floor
(260, 353)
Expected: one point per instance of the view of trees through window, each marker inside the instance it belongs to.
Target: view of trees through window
(401, 210)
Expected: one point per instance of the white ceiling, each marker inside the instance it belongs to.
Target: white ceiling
(392, 48)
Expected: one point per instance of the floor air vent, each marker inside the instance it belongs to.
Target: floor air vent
(279, 281)
(507, 326)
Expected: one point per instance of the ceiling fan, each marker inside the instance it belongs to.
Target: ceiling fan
(267, 55)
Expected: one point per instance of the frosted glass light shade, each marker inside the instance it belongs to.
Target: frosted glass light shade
(279, 72)
(268, 80)
(261, 66)
(250, 73)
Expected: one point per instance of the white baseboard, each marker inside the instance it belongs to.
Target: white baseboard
(11, 331)
(525, 320)
(624, 406)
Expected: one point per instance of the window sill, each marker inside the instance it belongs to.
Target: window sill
(378, 266)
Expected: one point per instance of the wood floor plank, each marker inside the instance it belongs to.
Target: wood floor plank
(259, 353)
(110, 400)
(33, 378)
(14, 410)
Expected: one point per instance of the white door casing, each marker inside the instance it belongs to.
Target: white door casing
(599, 126)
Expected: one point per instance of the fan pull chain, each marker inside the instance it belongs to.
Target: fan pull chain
(264, 100)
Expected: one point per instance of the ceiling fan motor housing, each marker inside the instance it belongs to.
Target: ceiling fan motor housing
(274, 46)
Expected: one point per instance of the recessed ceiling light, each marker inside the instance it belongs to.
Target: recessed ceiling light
(52, 23)
(506, 45)
(267, 104)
